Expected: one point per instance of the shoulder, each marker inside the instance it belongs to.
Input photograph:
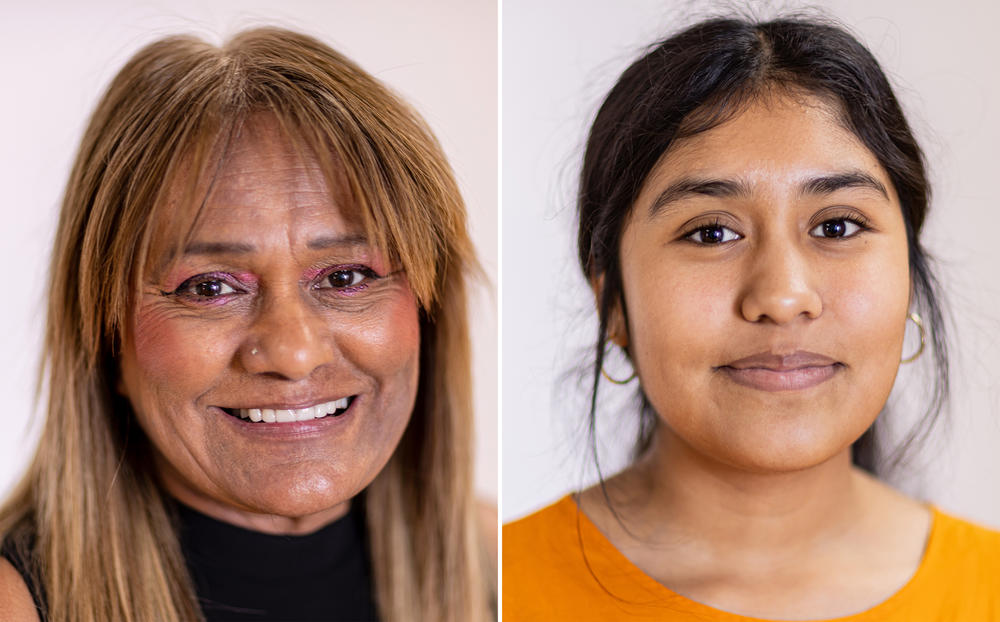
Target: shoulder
(543, 563)
(961, 570)
(553, 521)
(960, 542)
(16, 604)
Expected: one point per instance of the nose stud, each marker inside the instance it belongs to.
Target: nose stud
(254, 351)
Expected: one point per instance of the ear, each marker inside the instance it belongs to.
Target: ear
(617, 331)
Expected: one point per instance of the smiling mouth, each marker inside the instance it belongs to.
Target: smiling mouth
(333, 408)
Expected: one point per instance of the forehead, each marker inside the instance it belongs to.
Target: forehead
(265, 174)
(777, 139)
(265, 184)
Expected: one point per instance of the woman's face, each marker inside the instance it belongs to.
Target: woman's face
(277, 309)
(766, 283)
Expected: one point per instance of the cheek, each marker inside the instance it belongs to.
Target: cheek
(868, 302)
(676, 316)
(386, 345)
(172, 354)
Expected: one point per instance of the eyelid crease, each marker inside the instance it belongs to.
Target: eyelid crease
(707, 220)
(841, 212)
(694, 230)
(368, 273)
(239, 285)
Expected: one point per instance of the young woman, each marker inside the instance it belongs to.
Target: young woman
(749, 216)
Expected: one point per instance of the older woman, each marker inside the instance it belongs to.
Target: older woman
(256, 353)
(750, 210)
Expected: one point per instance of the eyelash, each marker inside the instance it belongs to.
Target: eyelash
(368, 274)
(862, 223)
(707, 226)
(185, 289)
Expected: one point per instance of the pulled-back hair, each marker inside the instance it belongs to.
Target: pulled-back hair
(90, 508)
(700, 78)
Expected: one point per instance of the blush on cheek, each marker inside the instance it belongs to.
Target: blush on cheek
(169, 350)
(388, 343)
(398, 336)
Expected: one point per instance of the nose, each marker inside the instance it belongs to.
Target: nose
(289, 338)
(780, 287)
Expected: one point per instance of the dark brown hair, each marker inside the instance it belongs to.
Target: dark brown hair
(699, 78)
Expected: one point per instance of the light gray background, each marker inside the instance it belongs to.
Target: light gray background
(441, 55)
(559, 60)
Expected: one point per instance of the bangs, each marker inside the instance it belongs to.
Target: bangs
(188, 103)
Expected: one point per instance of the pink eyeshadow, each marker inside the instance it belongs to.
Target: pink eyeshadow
(178, 277)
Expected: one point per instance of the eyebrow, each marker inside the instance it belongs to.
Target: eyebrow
(828, 184)
(740, 189)
(684, 188)
(242, 248)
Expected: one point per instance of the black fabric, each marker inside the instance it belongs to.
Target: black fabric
(17, 548)
(241, 575)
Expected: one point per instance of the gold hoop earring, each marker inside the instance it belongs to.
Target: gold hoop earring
(626, 381)
(616, 381)
(923, 337)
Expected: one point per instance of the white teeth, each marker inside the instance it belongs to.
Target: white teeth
(277, 415)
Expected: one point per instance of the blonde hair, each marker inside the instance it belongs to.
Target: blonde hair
(104, 544)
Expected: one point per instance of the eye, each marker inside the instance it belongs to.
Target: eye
(201, 287)
(345, 278)
(713, 234)
(836, 228)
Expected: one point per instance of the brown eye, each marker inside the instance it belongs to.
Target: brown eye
(340, 279)
(211, 289)
(205, 288)
(837, 228)
(713, 234)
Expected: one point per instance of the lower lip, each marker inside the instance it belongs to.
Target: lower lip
(291, 429)
(781, 380)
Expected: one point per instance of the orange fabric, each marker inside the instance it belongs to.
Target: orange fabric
(545, 577)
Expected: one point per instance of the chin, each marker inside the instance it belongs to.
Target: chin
(782, 449)
(303, 494)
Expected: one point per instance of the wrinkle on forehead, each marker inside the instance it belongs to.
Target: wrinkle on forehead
(263, 150)
(236, 177)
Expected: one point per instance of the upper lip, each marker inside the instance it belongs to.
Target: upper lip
(782, 362)
(289, 405)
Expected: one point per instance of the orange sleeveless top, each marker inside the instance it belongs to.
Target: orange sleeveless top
(545, 577)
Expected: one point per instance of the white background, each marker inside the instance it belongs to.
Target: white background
(441, 55)
(560, 58)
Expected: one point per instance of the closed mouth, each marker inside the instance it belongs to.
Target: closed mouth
(333, 408)
(782, 378)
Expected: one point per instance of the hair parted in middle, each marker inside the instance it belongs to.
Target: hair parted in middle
(90, 494)
(698, 79)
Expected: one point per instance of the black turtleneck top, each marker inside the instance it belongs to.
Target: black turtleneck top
(242, 575)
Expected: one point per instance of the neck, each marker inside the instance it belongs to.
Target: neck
(677, 493)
